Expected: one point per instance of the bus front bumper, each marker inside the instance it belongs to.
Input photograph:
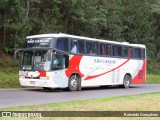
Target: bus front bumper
(37, 83)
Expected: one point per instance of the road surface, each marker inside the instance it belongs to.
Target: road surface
(32, 96)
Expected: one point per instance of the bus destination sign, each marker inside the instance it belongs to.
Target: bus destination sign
(38, 42)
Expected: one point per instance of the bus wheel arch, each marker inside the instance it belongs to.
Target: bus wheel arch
(74, 82)
(127, 80)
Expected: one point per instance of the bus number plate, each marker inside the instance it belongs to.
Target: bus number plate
(32, 82)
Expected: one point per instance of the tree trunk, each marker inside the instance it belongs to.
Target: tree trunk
(4, 31)
(27, 11)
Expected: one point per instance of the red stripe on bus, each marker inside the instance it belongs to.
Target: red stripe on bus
(74, 64)
(141, 75)
(43, 73)
(91, 77)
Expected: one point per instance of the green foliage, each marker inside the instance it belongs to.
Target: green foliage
(153, 78)
(9, 80)
(134, 21)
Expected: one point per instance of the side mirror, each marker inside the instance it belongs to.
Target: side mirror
(15, 53)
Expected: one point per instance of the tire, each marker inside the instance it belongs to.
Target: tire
(126, 81)
(46, 88)
(73, 83)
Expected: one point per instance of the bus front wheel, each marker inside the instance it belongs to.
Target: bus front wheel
(126, 81)
(73, 83)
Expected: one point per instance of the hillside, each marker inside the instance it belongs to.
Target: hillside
(7, 63)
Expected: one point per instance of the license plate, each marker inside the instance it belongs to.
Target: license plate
(32, 82)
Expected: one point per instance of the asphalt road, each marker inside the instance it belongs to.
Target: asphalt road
(32, 96)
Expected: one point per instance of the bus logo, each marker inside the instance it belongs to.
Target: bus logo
(6, 114)
(32, 74)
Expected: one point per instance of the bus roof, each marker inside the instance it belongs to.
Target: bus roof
(83, 38)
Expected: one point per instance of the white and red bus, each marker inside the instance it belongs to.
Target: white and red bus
(82, 62)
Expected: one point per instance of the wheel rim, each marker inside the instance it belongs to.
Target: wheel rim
(126, 82)
(74, 83)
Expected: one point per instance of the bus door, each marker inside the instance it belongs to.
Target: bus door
(60, 63)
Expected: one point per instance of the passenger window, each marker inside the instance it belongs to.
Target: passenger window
(108, 49)
(102, 49)
(81, 46)
(95, 48)
(125, 51)
(89, 48)
(74, 46)
(62, 44)
(139, 52)
(117, 50)
(130, 52)
(143, 53)
(136, 52)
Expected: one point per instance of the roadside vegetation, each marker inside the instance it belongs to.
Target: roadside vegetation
(144, 102)
(8, 71)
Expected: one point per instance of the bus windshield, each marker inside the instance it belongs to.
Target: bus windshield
(37, 60)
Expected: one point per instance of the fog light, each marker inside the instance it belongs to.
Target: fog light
(47, 77)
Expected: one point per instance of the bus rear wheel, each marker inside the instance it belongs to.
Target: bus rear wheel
(73, 83)
(126, 81)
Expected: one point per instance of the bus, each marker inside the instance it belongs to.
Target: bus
(68, 61)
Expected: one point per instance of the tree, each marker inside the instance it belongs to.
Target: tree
(134, 21)
(8, 11)
(138, 22)
(113, 28)
(156, 15)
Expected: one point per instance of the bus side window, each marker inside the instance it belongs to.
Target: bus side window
(66, 61)
(62, 44)
(114, 50)
(81, 46)
(95, 48)
(136, 53)
(129, 52)
(143, 53)
(57, 61)
(117, 50)
(89, 48)
(139, 53)
(102, 49)
(74, 46)
(108, 49)
(126, 51)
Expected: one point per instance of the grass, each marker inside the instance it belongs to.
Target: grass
(153, 78)
(9, 80)
(145, 102)
(9, 72)
(148, 102)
